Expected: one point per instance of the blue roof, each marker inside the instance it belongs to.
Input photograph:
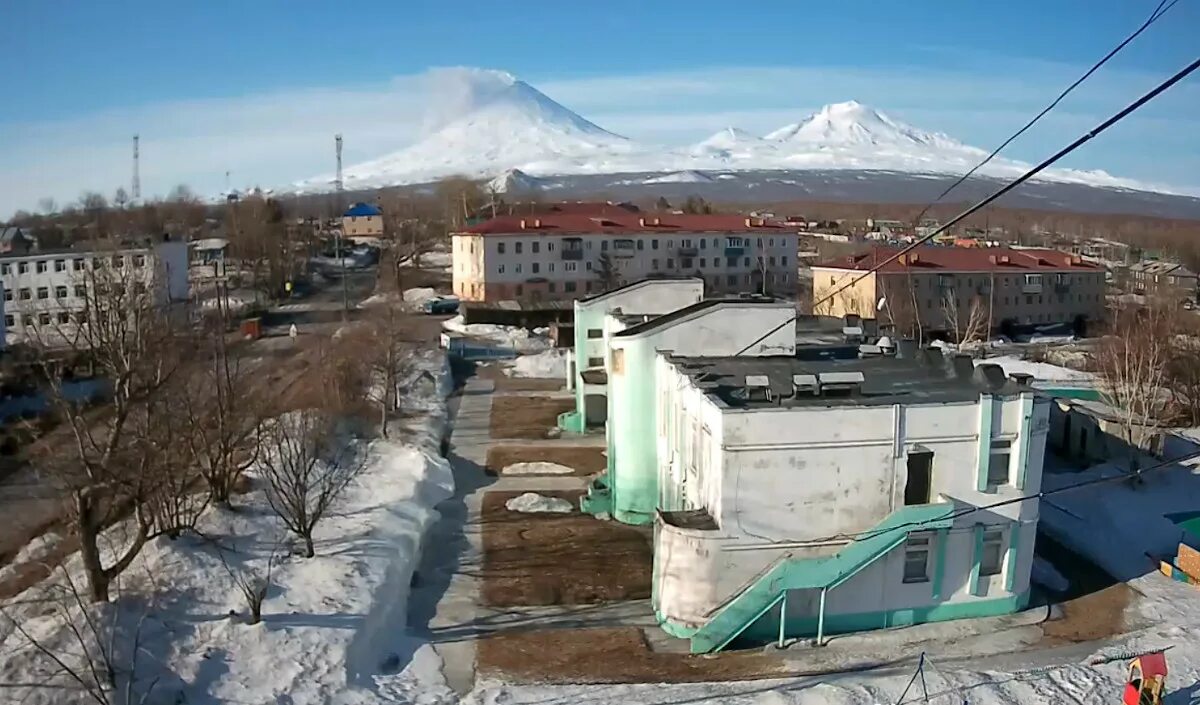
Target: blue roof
(363, 209)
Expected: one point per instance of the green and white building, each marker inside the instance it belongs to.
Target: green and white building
(800, 499)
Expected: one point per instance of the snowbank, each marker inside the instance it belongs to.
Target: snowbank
(334, 626)
(519, 339)
(537, 467)
(534, 503)
(550, 363)
(1040, 370)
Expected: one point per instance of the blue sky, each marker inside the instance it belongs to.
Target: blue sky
(257, 86)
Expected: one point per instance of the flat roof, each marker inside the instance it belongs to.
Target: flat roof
(927, 379)
(620, 221)
(648, 281)
(962, 259)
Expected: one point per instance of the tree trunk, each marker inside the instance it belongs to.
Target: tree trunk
(87, 525)
(309, 550)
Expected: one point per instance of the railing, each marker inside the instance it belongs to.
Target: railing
(1030, 288)
(688, 252)
(735, 251)
(572, 254)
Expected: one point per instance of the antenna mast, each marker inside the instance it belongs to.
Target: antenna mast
(337, 139)
(137, 180)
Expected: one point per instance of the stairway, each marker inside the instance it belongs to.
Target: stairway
(765, 590)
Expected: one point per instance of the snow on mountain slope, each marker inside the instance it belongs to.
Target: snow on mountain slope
(515, 181)
(506, 124)
(499, 125)
(681, 177)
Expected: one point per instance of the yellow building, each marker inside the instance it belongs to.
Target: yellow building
(958, 290)
(362, 220)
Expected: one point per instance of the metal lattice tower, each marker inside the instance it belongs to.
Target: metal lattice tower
(137, 179)
(337, 139)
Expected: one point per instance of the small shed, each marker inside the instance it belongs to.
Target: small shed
(1184, 566)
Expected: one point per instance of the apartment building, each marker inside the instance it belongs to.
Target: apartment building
(569, 254)
(49, 290)
(1165, 279)
(800, 498)
(947, 289)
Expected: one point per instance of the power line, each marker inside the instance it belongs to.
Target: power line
(1159, 11)
(1046, 163)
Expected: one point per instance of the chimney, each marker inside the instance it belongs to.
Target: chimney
(989, 376)
(749, 222)
(906, 349)
(1022, 378)
(642, 222)
(963, 367)
(523, 225)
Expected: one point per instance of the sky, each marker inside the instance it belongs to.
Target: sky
(258, 88)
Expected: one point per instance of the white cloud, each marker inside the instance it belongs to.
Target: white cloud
(276, 138)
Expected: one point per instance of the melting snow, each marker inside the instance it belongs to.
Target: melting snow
(537, 467)
(534, 503)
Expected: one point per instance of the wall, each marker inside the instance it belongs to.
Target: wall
(791, 480)
(724, 329)
(362, 226)
(859, 299)
(467, 257)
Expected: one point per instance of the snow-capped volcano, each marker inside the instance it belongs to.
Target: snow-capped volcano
(514, 181)
(498, 124)
(504, 124)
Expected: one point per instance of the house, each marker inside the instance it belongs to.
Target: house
(362, 220)
(804, 498)
(15, 239)
(760, 326)
(47, 293)
(946, 289)
(586, 374)
(1164, 279)
(574, 253)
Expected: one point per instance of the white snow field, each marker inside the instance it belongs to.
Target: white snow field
(508, 131)
(546, 364)
(334, 626)
(537, 467)
(515, 337)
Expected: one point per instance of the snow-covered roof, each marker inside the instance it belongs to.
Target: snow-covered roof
(963, 259)
(617, 221)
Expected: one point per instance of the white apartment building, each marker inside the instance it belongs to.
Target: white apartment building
(803, 498)
(568, 255)
(51, 289)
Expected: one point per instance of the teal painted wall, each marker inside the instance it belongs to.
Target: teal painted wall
(633, 423)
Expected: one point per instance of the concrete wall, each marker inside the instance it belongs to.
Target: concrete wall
(633, 404)
(791, 480)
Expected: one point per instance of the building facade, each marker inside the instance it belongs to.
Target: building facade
(362, 220)
(586, 370)
(568, 255)
(948, 289)
(808, 498)
(47, 294)
(1169, 280)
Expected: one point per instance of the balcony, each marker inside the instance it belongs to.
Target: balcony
(1031, 288)
(735, 251)
(688, 252)
(572, 254)
(1062, 288)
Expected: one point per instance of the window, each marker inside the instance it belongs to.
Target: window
(703, 242)
(570, 266)
(595, 333)
(641, 244)
(703, 262)
(60, 292)
(595, 362)
(24, 294)
(654, 244)
(77, 264)
(517, 248)
(670, 263)
(60, 265)
(920, 477)
(550, 287)
(22, 267)
(549, 247)
(783, 261)
(589, 266)
(43, 292)
(80, 290)
(771, 261)
(64, 317)
(685, 262)
(535, 246)
(5, 269)
(731, 262)
(500, 248)
(732, 280)
(500, 269)
(569, 287)
(118, 261)
(746, 262)
(534, 267)
(916, 559)
(517, 268)
(27, 320)
(8, 295)
(654, 264)
(989, 562)
(998, 463)
(44, 319)
(771, 242)
(603, 245)
(41, 266)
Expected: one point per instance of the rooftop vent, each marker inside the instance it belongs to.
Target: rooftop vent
(834, 383)
(1022, 378)
(650, 222)
(906, 349)
(963, 367)
(805, 384)
(530, 223)
(989, 376)
(758, 388)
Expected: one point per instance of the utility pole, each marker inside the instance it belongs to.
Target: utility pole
(337, 139)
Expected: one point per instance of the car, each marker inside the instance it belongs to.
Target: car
(440, 305)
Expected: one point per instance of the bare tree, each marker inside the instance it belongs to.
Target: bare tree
(606, 272)
(113, 463)
(1131, 361)
(307, 466)
(120, 198)
(388, 357)
(968, 326)
(251, 583)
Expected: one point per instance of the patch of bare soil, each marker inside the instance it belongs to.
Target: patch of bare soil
(610, 655)
(586, 460)
(528, 416)
(505, 383)
(560, 559)
(1097, 615)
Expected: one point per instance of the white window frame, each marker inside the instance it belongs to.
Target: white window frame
(917, 547)
(993, 540)
(1005, 450)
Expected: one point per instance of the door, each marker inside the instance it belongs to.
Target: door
(920, 478)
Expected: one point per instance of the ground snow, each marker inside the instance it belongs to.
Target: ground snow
(537, 467)
(514, 337)
(549, 364)
(334, 627)
(1043, 371)
(533, 503)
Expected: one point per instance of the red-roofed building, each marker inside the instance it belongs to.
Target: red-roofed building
(568, 253)
(951, 289)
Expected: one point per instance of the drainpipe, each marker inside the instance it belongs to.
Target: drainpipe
(821, 619)
(782, 617)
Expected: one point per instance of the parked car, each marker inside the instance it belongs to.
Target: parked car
(440, 305)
